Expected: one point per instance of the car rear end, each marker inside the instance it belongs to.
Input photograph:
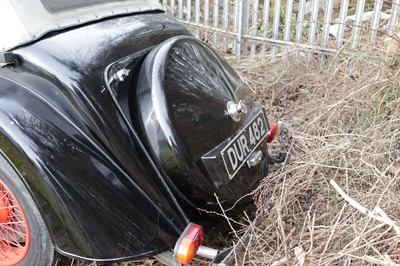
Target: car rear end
(138, 112)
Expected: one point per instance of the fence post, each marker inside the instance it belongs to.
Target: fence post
(197, 18)
(236, 28)
(225, 24)
(241, 26)
(288, 20)
(394, 16)
(275, 26)
(172, 6)
(254, 22)
(300, 20)
(180, 9)
(215, 18)
(344, 6)
(357, 24)
(265, 28)
(189, 10)
(245, 25)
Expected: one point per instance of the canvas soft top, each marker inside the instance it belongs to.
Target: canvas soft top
(23, 21)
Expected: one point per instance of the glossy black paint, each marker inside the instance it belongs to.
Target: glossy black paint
(65, 130)
(183, 90)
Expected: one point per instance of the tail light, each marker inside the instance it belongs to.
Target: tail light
(187, 245)
(274, 130)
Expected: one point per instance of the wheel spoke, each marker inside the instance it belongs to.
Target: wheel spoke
(10, 239)
(14, 230)
(10, 229)
(9, 249)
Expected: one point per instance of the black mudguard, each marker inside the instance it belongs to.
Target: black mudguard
(64, 132)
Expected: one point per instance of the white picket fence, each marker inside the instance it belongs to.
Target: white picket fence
(261, 28)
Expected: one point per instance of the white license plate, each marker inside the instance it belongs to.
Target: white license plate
(239, 149)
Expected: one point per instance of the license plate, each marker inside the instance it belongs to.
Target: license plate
(239, 149)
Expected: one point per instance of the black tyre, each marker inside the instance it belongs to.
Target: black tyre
(24, 238)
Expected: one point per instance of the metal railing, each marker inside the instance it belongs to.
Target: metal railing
(262, 28)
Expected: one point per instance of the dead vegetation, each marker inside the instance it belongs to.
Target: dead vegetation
(346, 117)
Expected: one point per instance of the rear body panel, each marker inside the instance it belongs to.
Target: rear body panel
(61, 127)
(121, 129)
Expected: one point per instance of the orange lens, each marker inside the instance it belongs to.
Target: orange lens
(185, 252)
(187, 245)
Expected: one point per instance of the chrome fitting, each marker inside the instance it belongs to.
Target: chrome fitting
(235, 110)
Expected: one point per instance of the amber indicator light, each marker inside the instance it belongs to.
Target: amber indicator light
(187, 245)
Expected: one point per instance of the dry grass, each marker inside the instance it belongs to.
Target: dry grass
(346, 118)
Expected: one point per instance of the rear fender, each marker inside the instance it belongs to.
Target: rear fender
(26, 172)
(94, 209)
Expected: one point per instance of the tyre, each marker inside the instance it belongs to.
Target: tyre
(24, 238)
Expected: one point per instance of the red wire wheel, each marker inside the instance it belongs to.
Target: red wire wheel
(14, 229)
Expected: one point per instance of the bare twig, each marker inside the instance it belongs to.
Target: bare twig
(378, 214)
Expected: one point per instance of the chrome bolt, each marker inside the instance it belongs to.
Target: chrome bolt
(235, 110)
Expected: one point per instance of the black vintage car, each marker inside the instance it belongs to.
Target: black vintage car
(116, 127)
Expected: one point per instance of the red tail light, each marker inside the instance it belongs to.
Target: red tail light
(187, 245)
(273, 131)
